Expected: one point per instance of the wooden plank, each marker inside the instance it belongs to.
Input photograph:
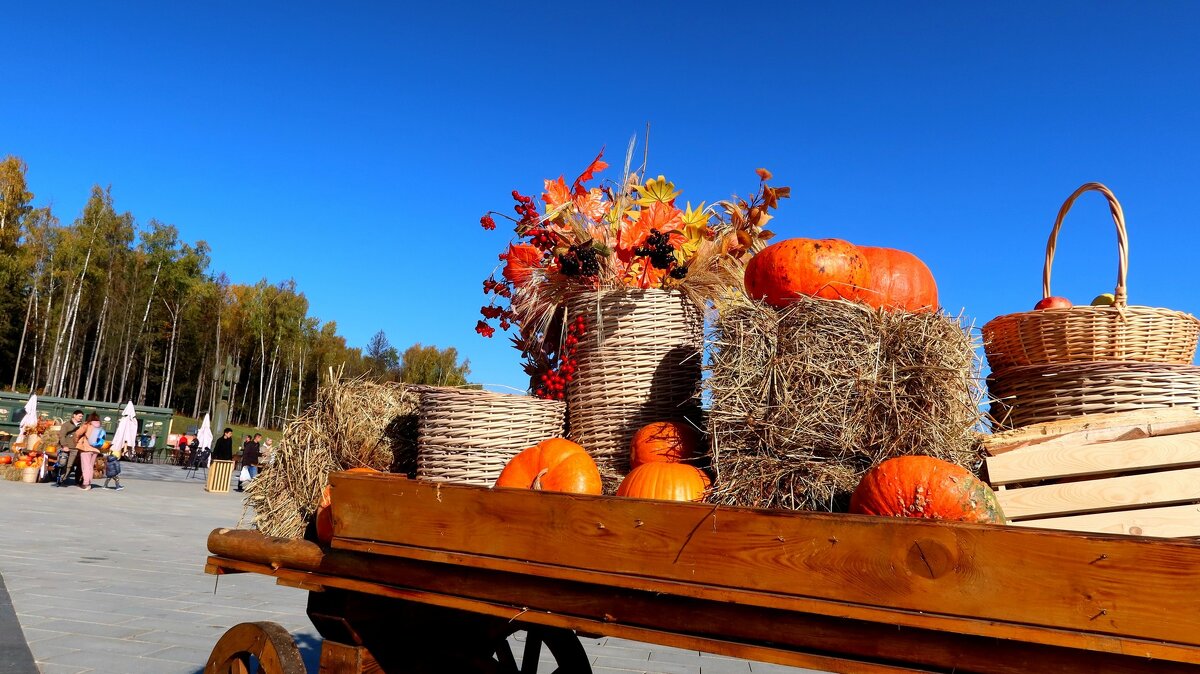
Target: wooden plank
(1097, 428)
(832, 643)
(1114, 493)
(1037, 463)
(1100, 584)
(1170, 522)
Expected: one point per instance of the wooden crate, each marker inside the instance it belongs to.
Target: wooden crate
(1134, 473)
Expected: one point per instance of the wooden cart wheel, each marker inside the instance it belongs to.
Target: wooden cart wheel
(267, 642)
(562, 645)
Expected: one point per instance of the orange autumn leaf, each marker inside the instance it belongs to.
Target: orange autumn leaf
(591, 204)
(519, 263)
(556, 194)
(597, 165)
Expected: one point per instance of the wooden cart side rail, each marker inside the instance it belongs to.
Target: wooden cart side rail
(828, 643)
(385, 563)
(1099, 584)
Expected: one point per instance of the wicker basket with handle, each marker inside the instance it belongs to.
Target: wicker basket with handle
(1081, 334)
(469, 435)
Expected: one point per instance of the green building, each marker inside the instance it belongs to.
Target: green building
(154, 423)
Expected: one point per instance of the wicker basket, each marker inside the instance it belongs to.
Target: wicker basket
(1081, 334)
(468, 435)
(1036, 393)
(639, 361)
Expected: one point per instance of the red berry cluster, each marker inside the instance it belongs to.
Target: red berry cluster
(525, 209)
(487, 222)
(542, 239)
(554, 382)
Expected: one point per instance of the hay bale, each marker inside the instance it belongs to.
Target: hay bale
(352, 424)
(805, 399)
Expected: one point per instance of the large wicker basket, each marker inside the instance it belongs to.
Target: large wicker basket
(467, 435)
(1036, 393)
(639, 361)
(1117, 332)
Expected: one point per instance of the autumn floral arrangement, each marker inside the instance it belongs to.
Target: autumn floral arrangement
(629, 233)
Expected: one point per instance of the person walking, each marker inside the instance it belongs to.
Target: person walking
(90, 440)
(223, 447)
(66, 446)
(112, 469)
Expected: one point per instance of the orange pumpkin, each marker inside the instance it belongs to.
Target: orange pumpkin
(671, 441)
(5, 460)
(665, 482)
(828, 268)
(552, 465)
(899, 280)
(928, 488)
(324, 516)
(22, 464)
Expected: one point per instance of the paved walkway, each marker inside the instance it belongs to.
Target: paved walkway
(108, 582)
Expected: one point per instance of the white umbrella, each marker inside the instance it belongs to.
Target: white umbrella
(126, 435)
(30, 420)
(204, 436)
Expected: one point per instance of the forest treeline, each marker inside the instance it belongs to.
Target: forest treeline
(107, 308)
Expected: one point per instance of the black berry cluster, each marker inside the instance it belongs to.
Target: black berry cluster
(658, 250)
(580, 260)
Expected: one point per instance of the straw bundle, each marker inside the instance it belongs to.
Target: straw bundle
(352, 424)
(806, 399)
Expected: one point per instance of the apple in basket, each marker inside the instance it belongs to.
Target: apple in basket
(1053, 303)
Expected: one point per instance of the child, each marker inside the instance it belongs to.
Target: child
(112, 469)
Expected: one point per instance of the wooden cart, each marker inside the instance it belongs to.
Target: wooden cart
(424, 577)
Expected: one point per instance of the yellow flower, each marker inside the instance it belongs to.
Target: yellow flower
(695, 231)
(658, 190)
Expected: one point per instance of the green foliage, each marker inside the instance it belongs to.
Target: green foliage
(432, 366)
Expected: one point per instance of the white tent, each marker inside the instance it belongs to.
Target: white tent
(126, 434)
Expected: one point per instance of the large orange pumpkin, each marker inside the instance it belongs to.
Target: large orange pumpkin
(5, 460)
(928, 488)
(665, 482)
(324, 516)
(829, 268)
(899, 280)
(671, 441)
(552, 465)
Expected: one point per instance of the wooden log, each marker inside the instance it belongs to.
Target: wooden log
(1092, 584)
(1114, 493)
(1096, 428)
(251, 546)
(1046, 461)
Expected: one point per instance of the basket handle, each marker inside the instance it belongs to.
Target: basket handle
(1120, 295)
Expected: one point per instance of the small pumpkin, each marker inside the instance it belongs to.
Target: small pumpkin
(664, 481)
(828, 268)
(670, 441)
(5, 460)
(22, 464)
(925, 487)
(556, 464)
(324, 518)
(899, 280)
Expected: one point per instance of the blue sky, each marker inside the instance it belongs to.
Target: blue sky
(354, 146)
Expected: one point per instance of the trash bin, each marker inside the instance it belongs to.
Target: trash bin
(220, 475)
